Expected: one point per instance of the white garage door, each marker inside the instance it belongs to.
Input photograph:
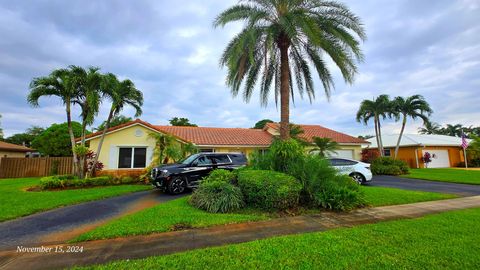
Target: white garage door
(440, 158)
(343, 154)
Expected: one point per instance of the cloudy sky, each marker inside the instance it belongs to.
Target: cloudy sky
(170, 50)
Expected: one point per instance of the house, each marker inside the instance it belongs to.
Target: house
(13, 150)
(128, 146)
(446, 151)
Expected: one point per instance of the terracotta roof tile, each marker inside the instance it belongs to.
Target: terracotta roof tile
(311, 131)
(219, 136)
(13, 147)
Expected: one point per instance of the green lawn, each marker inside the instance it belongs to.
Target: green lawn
(163, 217)
(381, 196)
(16, 202)
(446, 175)
(443, 241)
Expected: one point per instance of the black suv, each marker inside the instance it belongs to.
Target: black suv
(175, 178)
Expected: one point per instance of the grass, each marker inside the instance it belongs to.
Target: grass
(443, 241)
(381, 196)
(446, 175)
(16, 202)
(164, 217)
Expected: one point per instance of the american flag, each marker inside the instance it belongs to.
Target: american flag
(464, 141)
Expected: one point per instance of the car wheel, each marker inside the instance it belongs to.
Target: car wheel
(177, 185)
(360, 179)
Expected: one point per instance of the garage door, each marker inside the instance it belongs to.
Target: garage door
(440, 158)
(343, 154)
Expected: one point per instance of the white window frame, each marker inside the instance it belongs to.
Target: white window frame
(132, 157)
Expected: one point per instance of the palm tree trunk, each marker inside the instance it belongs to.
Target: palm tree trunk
(72, 137)
(375, 121)
(284, 89)
(380, 138)
(99, 148)
(404, 122)
(81, 159)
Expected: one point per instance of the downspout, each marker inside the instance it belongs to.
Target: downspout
(416, 157)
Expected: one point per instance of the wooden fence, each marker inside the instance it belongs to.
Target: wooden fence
(34, 167)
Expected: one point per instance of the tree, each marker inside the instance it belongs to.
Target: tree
(381, 107)
(116, 121)
(414, 106)
(175, 121)
(452, 130)
(165, 148)
(121, 94)
(261, 124)
(429, 128)
(323, 146)
(1, 130)
(55, 141)
(281, 35)
(27, 137)
(365, 137)
(60, 83)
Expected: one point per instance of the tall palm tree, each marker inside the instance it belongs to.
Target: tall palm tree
(381, 107)
(452, 130)
(429, 128)
(121, 94)
(63, 84)
(165, 146)
(323, 146)
(414, 106)
(279, 41)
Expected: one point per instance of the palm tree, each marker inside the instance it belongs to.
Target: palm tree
(121, 94)
(429, 128)
(452, 130)
(414, 106)
(381, 107)
(323, 146)
(60, 83)
(279, 41)
(166, 148)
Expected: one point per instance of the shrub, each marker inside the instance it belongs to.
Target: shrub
(268, 189)
(280, 156)
(369, 155)
(221, 176)
(389, 166)
(338, 193)
(64, 181)
(217, 197)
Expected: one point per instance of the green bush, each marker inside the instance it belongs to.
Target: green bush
(217, 197)
(269, 189)
(220, 176)
(389, 166)
(338, 193)
(65, 181)
(280, 156)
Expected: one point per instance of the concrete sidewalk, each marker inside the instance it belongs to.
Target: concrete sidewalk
(98, 252)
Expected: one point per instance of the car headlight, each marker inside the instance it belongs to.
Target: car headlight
(164, 173)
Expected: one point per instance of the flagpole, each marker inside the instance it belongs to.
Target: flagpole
(465, 156)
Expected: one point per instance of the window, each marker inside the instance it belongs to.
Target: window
(203, 161)
(132, 157)
(387, 152)
(221, 159)
(238, 159)
(342, 162)
(209, 150)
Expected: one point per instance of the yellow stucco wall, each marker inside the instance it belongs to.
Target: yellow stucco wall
(132, 136)
(11, 154)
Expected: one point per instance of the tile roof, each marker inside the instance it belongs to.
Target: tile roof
(235, 136)
(220, 136)
(310, 131)
(14, 147)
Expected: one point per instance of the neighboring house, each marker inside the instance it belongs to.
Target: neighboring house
(446, 151)
(128, 146)
(13, 150)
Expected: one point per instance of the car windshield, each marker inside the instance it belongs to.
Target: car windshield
(189, 159)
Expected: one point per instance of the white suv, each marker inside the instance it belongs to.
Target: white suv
(359, 171)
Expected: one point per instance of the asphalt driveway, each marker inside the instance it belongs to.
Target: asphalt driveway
(424, 185)
(66, 222)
